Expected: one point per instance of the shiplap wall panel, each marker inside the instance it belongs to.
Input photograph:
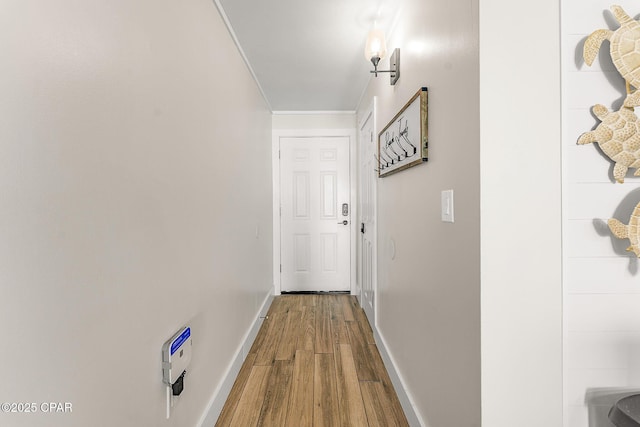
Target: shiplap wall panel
(583, 17)
(582, 198)
(611, 356)
(576, 415)
(603, 312)
(587, 88)
(585, 238)
(601, 281)
(610, 275)
(584, 164)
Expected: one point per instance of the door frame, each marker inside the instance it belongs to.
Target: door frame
(351, 135)
(370, 113)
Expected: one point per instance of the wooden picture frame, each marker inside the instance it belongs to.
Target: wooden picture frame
(404, 141)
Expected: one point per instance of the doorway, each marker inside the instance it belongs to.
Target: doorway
(315, 219)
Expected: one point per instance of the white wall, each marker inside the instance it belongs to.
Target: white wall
(520, 122)
(429, 295)
(129, 204)
(601, 280)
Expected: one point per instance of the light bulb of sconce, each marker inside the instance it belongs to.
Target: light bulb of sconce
(376, 45)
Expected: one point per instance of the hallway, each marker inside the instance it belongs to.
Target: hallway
(141, 195)
(313, 363)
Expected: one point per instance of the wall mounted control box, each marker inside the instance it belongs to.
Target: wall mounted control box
(176, 356)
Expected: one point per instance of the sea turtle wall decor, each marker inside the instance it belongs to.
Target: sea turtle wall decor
(631, 231)
(618, 135)
(624, 49)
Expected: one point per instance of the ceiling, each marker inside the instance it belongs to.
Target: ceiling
(306, 55)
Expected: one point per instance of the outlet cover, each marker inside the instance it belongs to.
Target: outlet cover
(447, 206)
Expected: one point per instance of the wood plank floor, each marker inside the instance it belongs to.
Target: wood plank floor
(313, 363)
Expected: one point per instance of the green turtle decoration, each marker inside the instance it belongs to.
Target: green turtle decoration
(630, 231)
(618, 135)
(624, 49)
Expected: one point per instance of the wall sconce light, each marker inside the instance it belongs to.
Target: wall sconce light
(376, 49)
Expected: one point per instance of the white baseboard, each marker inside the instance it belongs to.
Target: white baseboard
(398, 384)
(221, 393)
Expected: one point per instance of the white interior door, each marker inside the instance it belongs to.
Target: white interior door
(315, 218)
(367, 211)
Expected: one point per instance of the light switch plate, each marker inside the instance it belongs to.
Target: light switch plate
(447, 206)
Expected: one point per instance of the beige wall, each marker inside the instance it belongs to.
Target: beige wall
(429, 295)
(314, 120)
(499, 109)
(120, 169)
(520, 178)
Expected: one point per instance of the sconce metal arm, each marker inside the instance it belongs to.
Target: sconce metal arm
(394, 64)
(375, 60)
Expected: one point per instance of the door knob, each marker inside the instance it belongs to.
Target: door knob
(345, 222)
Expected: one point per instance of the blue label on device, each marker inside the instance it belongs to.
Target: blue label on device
(180, 340)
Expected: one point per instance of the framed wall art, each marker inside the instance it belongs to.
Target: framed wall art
(404, 141)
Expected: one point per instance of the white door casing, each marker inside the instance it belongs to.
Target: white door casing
(315, 234)
(367, 213)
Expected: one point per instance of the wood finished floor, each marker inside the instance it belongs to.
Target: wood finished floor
(313, 363)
